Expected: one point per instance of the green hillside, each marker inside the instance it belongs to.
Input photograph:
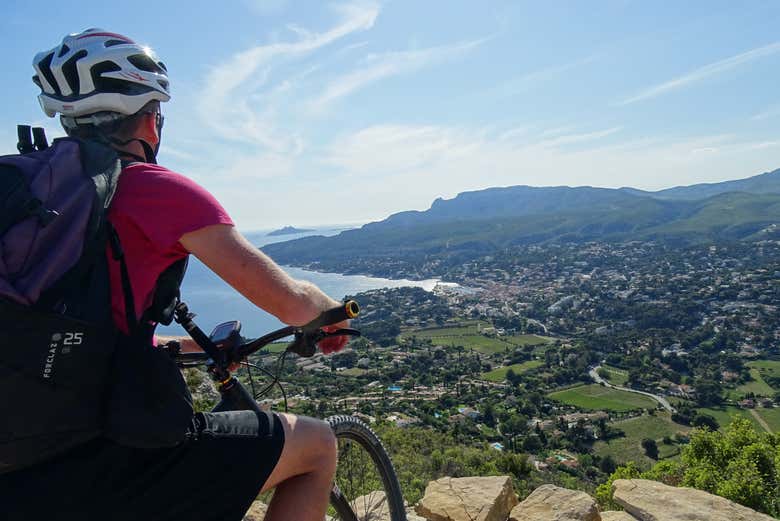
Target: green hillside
(732, 216)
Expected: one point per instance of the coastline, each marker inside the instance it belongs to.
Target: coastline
(426, 284)
(429, 284)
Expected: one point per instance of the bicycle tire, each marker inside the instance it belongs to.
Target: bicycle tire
(351, 501)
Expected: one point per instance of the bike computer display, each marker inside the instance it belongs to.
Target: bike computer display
(225, 332)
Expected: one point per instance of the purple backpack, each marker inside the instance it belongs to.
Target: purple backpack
(56, 333)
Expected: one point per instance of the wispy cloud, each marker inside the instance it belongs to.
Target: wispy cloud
(569, 139)
(534, 79)
(378, 66)
(266, 7)
(702, 73)
(557, 131)
(441, 161)
(225, 103)
(770, 112)
(167, 150)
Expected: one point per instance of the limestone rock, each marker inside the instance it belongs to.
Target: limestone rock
(371, 507)
(551, 503)
(617, 516)
(653, 501)
(468, 499)
(256, 512)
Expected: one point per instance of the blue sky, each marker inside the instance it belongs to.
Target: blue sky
(307, 112)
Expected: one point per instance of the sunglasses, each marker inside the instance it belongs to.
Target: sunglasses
(159, 119)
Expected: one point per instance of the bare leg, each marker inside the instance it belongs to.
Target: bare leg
(304, 474)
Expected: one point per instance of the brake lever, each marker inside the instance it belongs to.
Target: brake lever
(341, 332)
(305, 343)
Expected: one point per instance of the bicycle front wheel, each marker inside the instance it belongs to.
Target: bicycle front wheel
(366, 487)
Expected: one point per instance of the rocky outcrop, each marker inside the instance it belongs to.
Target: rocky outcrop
(551, 503)
(371, 507)
(256, 512)
(617, 516)
(493, 499)
(468, 499)
(653, 501)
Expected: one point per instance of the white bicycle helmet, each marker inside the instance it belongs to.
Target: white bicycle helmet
(99, 72)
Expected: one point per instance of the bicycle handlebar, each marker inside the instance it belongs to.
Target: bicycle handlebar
(304, 343)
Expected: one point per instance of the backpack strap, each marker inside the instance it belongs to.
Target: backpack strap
(166, 294)
(39, 139)
(25, 144)
(18, 201)
(101, 165)
(127, 287)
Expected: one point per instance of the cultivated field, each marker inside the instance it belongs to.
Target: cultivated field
(771, 417)
(598, 397)
(756, 386)
(629, 448)
(616, 376)
(769, 367)
(725, 414)
(499, 375)
(468, 335)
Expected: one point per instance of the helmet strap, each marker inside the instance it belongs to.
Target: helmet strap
(150, 154)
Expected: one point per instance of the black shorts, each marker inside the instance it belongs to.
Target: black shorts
(214, 475)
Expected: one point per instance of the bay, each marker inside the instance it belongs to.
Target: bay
(214, 301)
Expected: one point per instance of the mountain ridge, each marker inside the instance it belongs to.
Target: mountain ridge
(761, 183)
(482, 221)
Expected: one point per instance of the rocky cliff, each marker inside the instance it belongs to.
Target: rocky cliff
(493, 499)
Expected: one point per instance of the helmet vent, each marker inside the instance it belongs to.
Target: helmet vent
(63, 51)
(144, 62)
(111, 43)
(102, 84)
(70, 73)
(45, 66)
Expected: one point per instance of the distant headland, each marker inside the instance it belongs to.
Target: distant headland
(288, 230)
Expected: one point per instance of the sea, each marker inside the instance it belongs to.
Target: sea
(214, 301)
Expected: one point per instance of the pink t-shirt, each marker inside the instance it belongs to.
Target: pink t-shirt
(152, 208)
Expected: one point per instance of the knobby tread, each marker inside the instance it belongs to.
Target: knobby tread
(345, 426)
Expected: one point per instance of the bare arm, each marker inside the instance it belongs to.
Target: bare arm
(253, 274)
(188, 345)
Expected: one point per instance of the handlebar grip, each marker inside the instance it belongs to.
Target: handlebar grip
(348, 310)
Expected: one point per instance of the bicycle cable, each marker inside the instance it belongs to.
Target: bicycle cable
(249, 374)
(274, 378)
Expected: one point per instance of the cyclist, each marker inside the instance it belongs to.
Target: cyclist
(105, 86)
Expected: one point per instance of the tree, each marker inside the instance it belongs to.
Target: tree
(651, 448)
(489, 416)
(708, 392)
(705, 420)
(740, 464)
(607, 464)
(513, 377)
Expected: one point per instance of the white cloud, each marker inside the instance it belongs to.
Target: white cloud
(256, 167)
(418, 163)
(167, 150)
(379, 66)
(225, 103)
(569, 139)
(703, 72)
(557, 131)
(532, 80)
(390, 149)
(382, 169)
